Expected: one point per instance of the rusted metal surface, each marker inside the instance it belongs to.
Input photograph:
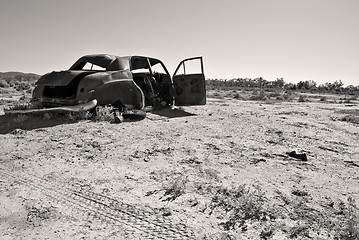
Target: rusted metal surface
(76, 108)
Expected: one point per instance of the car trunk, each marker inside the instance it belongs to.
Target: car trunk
(62, 85)
(67, 92)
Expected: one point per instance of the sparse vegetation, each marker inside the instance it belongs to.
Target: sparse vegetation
(351, 115)
(17, 80)
(174, 189)
(81, 115)
(36, 215)
(350, 118)
(240, 203)
(105, 113)
(351, 228)
(21, 106)
(3, 84)
(301, 98)
(280, 84)
(236, 95)
(258, 95)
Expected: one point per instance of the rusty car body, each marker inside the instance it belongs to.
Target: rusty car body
(131, 82)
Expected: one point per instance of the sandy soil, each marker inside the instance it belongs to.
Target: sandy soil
(219, 171)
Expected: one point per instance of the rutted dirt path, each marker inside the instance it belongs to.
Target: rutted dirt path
(82, 204)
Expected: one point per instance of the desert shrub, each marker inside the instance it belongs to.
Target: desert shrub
(301, 98)
(20, 86)
(350, 118)
(77, 116)
(3, 84)
(353, 98)
(240, 203)
(258, 96)
(13, 83)
(255, 92)
(216, 94)
(299, 231)
(6, 90)
(352, 227)
(287, 94)
(36, 214)
(103, 113)
(349, 229)
(274, 94)
(174, 189)
(29, 90)
(237, 95)
(22, 106)
(349, 111)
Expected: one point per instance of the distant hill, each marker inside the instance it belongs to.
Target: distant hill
(18, 80)
(19, 77)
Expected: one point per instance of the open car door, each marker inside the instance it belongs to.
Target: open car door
(189, 83)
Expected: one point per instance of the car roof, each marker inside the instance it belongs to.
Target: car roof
(113, 62)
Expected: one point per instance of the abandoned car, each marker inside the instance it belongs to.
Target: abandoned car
(131, 82)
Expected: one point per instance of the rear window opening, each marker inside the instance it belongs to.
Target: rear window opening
(94, 67)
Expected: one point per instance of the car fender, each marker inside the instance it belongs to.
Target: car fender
(123, 92)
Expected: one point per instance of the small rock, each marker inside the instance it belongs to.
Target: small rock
(300, 193)
(301, 156)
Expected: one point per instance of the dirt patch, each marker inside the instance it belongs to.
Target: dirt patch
(220, 171)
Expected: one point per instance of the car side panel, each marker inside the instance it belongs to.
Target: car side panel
(124, 93)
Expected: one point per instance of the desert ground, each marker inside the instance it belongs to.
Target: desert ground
(226, 170)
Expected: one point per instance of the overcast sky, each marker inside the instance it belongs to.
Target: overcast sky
(298, 40)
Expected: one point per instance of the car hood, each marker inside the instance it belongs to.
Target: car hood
(62, 78)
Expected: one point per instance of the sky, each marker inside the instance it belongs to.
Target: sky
(295, 39)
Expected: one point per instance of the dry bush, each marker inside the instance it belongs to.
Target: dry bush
(287, 95)
(239, 203)
(258, 96)
(36, 214)
(353, 98)
(174, 189)
(301, 98)
(280, 98)
(20, 86)
(77, 116)
(237, 95)
(215, 94)
(22, 106)
(352, 228)
(323, 99)
(340, 220)
(350, 118)
(349, 228)
(3, 84)
(103, 113)
(352, 115)
(274, 94)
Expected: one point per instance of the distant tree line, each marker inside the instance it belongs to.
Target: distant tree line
(279, 83)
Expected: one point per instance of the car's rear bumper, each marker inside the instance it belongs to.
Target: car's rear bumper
(76, 108)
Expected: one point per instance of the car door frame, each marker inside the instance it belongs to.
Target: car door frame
(189, 89)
